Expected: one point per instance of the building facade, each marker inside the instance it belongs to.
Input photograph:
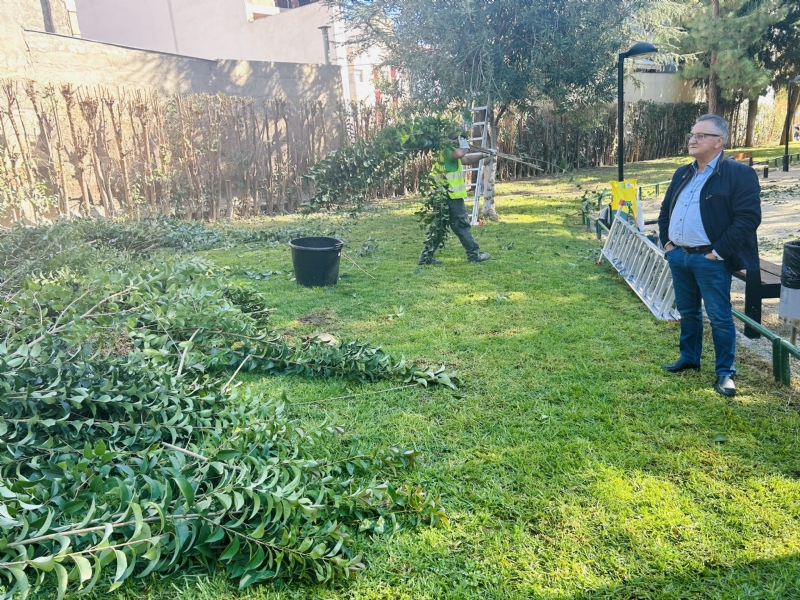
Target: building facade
(287, 31)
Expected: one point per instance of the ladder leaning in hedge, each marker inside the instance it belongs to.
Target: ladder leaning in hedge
(641, 263)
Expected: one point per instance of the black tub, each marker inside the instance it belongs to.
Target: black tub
(316, 260)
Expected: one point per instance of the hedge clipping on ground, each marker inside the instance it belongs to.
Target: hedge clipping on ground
(126, 447)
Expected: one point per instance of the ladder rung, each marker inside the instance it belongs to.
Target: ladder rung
(476, 123)
(477, 108)
(642, 267)
(475, 139)
(471, 170)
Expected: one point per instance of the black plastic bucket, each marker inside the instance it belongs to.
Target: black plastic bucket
(316, 260)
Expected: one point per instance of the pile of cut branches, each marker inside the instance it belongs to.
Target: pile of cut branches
(126, 445)
(80, 243)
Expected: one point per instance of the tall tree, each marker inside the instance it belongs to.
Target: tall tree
(561, 52)
(720, 42)
(453, 50)
(780, 51)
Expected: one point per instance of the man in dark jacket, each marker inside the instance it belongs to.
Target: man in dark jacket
(707, 227)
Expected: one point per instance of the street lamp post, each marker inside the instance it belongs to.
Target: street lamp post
(788, 122)
(638, 49)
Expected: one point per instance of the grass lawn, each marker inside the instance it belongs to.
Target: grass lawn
(570, 464)
(647, 172)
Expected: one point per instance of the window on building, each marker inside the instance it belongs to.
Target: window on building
(258, 9)
(293, 3)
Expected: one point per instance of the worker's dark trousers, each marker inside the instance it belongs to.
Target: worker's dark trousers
(459, 223)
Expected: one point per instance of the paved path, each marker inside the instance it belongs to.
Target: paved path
(780, 211)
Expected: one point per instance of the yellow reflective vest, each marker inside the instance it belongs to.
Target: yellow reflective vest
(451, 171)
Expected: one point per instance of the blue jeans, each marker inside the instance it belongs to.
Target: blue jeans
(697, 279)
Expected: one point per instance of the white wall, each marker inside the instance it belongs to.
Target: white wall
(661, 87)
(212, 29)
(361, 72)
(62, 59)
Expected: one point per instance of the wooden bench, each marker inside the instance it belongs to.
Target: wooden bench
(748, 156)
(765, 283)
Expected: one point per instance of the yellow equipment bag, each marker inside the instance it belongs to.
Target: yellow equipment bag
(624, 200)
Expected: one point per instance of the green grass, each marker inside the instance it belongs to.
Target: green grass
(570, 464)
(647, 172)
(770, 152)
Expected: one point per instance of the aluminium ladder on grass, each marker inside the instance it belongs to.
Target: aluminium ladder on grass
(641, 264)
(479, 132)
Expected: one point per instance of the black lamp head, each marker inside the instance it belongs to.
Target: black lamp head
(640, 49)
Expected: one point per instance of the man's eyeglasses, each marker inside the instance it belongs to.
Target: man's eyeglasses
(700, 136)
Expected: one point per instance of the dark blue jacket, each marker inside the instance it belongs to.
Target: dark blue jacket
(730, 207)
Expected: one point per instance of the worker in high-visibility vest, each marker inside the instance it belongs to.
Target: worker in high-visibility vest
(448, 167)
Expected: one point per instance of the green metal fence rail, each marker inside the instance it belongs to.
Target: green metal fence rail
(781, 349)
(778, 159)
(657, 186)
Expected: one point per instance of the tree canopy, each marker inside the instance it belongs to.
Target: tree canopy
(780, 50)
(563, 51)
(724, 38)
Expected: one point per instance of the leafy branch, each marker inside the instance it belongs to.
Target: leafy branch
(435, 217)
(347, 175)
(123, 444)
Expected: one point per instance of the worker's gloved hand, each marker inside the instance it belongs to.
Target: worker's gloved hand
(491, 151)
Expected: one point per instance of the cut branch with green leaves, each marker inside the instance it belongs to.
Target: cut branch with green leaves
(346, 176)
(435, 217)
(124, 444)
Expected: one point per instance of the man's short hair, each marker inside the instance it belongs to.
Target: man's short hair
(720, 124)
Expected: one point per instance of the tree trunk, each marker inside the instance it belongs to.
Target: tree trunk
(752, 113)
(793, 101)
(714, 105)
(488, 209)
(713, 93)
(78, 148)
(149, 186)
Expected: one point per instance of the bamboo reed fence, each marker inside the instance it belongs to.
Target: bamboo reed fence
(569, 141)
(653, 130)
(68, 151)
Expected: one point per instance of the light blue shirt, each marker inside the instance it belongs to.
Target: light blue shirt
(686, 224)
